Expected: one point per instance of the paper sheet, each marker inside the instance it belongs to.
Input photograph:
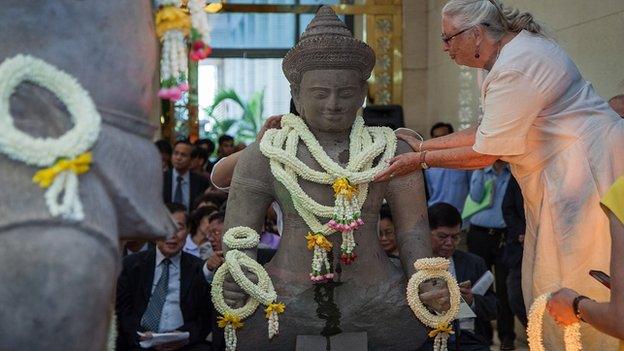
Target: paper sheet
(163, 338)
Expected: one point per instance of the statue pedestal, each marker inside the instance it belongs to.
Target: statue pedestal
(342, 341)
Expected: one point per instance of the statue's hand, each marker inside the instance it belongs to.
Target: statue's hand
(435, 295)
(233, 295)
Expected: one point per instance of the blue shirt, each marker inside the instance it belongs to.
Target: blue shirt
(447, 185)
(491, 217)
(171, 317)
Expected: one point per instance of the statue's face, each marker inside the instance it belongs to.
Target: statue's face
(328, 100)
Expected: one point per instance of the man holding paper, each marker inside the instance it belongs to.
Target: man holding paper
(163, 297)
(468, 269)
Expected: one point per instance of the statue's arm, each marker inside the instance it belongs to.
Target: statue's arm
(406, 197)
(251, 191)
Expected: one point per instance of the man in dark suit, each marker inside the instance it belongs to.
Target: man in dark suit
(164, 290)
(513, 212)
(471, 333)
(180, 185)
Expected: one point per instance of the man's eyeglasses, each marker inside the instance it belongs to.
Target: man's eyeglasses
(447, 40)
(443, 237)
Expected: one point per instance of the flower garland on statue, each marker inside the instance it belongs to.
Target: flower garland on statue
(429, 268)
(65, 157)
(571, 333)
(236, 239)
(173, 25)
(350, 183)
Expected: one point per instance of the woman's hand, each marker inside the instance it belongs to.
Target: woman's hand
(560, 306)
(271, 123)
(413, 139)
(399, 166)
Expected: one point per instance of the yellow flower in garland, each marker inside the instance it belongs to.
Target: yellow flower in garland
(318, 240)
(441, 329)
(274, 307)
(172, 17)
(77, 165)
(342, 186)
(230, 319)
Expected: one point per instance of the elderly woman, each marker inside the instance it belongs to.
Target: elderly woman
(561, 139)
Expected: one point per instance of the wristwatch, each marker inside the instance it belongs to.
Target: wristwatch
(575, 306)
(423, 164)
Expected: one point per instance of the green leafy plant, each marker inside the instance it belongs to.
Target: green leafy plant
(243, 128)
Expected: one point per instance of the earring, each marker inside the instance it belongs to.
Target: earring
(476, 55)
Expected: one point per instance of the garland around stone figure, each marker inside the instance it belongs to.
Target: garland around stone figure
(350, 183)
(429, 268)
(65, 157)
(242, 238)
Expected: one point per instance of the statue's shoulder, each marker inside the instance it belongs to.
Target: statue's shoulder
(252, 167)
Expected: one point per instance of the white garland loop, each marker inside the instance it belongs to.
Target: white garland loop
(262, 293)
(241, 238)
(429, 268)
(44, 152)
(571, 333)
(366, 143)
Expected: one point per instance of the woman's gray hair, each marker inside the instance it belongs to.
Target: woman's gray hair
(497, 18)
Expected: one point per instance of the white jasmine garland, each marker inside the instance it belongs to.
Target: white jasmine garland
(429, 268)
(365, 144)
(261, 293)
(571, 333)
(199, 19)
(45, 152)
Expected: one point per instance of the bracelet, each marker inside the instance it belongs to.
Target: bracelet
(423, 164)
(575, 306)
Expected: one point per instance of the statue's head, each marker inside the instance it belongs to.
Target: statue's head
(327, 71)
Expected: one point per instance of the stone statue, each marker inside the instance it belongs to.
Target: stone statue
(58, 276)
(327, 71)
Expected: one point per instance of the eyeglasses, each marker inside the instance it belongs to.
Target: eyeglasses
(447, 40)
(443, 237)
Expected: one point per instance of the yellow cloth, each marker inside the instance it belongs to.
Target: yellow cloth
(614, 199)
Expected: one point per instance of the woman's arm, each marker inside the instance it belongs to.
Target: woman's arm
(608, 316)
(222, 171)
(464, 137)
(463, 157)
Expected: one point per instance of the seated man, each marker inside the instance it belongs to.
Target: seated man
(445, 223)
(180, 184)
(164, 290)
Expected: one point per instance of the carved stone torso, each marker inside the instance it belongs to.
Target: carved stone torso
(369, 295)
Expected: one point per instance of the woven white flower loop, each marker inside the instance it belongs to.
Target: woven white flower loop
(45, 152)
(571, 333)
(365, 144)
(240, 238)
(429, 268)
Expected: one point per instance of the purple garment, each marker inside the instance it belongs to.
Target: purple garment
(269, 240)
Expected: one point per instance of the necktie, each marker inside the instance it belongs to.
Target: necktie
(151, 317)
(177, 196)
